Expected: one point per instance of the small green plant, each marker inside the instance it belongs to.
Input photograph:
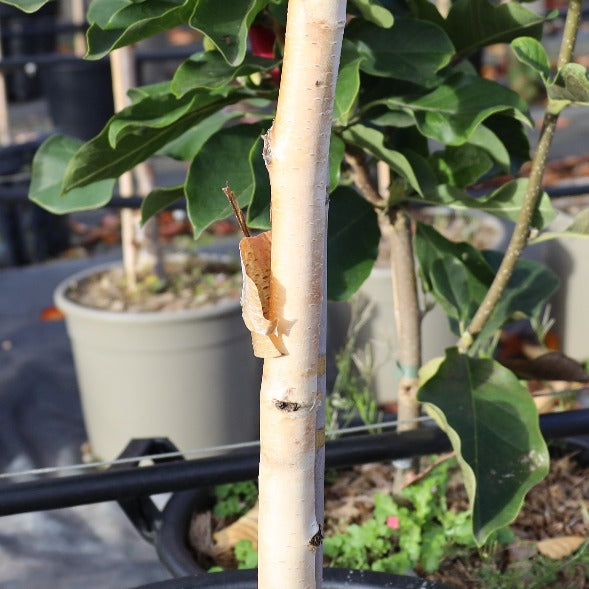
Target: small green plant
(234, 499)
(416, 532)
(246, 555)
(403, 536)
(352, 395)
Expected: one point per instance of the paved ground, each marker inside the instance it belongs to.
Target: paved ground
(41, 425)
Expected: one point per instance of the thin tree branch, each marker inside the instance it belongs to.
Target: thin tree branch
(396, 227)
(359, 173)
(533, 193)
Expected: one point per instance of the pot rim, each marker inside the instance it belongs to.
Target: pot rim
(69, 307)
(335, 578)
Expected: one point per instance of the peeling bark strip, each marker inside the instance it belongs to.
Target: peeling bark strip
(317, 539)
(255, 296)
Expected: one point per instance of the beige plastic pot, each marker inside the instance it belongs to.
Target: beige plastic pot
(569, 259)
(187, 375)
(380, 332)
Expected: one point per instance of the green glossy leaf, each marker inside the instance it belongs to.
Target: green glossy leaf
(229, 33)
(352, 243)
(372, 140)
(258, 211)
(580, 224)
(426, 10)
(533, 54)
(26, 5)
(116, 23)
(456, 274)
(225, 157)
(578, 228)
(512, 134)
(139, 93)
(570, 85)
(527, 292)
(155, 112)
(159, 200)
(485, 139)
(190, 142)
(336, 155)
(48, 169)
(209, 70)
(102, 12)
(452, 112)
(493, 425)
(98, 159)
(505, 202)
(374, 13)
(348, 85)
(278, 9)
(396, 53)
(472, 24)
(461, 166)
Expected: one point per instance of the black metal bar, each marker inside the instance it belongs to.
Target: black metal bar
(32, 29)
(40, 495)
(18, 62)
(167, 54)
(135, 201)
(25, 146)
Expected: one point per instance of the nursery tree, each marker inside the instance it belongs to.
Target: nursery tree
(409, 103)
(296, 153)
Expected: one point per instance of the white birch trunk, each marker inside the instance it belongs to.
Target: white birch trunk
(297, 157)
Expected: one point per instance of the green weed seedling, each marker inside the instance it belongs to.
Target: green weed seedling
(399, 537)
(235, 499)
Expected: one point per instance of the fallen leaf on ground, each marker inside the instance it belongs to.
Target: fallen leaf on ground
(51, 314)
(557, 548)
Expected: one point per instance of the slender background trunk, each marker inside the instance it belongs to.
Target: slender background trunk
(297, 157)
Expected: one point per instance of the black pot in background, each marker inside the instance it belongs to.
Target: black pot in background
(19, 38)
(332, 579)
(28, 233)
(79, 93)
(173, 550)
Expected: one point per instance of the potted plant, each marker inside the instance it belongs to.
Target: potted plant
(177, 321)
(393, 94)
(378, 334)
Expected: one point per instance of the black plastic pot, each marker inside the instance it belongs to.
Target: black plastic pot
(29, 234)
(173, 551)
(332, 579)
(79, 94)
(170, 531)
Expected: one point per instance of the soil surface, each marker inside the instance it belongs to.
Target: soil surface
(188, 282)
(553, 509)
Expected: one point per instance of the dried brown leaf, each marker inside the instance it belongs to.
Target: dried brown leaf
(255, 298)
(245, 528)
(561, 547)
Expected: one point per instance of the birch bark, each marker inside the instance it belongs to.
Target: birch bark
(297, 157)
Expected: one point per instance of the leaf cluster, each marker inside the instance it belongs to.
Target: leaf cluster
(233, 500)
(405, 82)
(427, 531)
